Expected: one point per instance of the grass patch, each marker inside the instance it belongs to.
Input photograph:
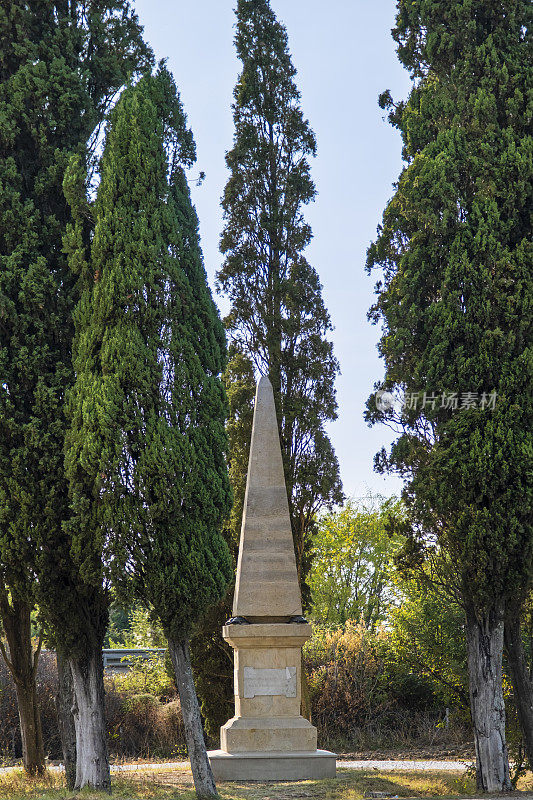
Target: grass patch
(176, 784)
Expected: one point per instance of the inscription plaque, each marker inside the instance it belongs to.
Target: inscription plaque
(280, 682)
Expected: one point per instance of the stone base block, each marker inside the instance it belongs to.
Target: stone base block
(260, 734)
(272, 766)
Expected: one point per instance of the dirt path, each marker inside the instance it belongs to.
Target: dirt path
(407, 766)
(378, 765)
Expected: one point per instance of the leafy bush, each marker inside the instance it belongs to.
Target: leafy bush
(146, 676)
(363, 698)
(352, 562)
(142, 726)
(142, 712)
(364, 695)
(133, 627)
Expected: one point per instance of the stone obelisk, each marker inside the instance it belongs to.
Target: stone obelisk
(267, 739)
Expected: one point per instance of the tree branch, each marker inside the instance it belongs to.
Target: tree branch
(5, 656)
(37, 654)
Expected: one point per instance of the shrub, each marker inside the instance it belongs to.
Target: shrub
(363, 698)
(141, 726)
(142, 712)
(147, 676)
(143, 715)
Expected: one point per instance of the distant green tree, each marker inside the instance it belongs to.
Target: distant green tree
(119, 625)
(239, 380)
(278, 321)
(134, 628)
(427, 632)
(456, 248)
(61, 65)
(351, 575)
(146, 446)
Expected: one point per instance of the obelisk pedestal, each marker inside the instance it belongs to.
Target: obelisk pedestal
(267, 739)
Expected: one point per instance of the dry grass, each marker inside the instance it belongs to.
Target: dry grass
(176, 784)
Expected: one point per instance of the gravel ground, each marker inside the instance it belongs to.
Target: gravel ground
(380, 766)
(408, 765)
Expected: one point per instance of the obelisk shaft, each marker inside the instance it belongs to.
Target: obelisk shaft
(266, 588)
(267, 739)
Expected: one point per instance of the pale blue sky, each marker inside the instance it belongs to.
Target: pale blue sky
(345, 57)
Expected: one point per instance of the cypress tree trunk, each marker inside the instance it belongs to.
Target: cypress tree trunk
(22, 663)
(92, 762)
(67, 728)
(30, 729)
(204, 783)
(484, 635)
(521, 678)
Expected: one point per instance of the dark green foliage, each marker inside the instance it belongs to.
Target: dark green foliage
(427, 631)
(456, 250)
(146, 445)
(212, 657)
(60, 65)
(145, 452)
(239, 381)
(212, 663)
(278, 321)
(50, 106)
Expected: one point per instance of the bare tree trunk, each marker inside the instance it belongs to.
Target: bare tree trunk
(22, 663)
(65, 713)
(204, 783)
(92, 762)
(521, 679)
(484, 633)
(30, 729)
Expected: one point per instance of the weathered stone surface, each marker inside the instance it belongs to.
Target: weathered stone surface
(266, 586)
(269, 682)
(271, 720)
(265, 734)
(267, 739)
(272, 766)
(267, 647)
(267, 634)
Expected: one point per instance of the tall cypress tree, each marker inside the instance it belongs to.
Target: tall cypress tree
(455, 246)
(60, 63)
(146, 445)
(278, 319)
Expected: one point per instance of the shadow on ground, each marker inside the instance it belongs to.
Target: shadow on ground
(348, 785)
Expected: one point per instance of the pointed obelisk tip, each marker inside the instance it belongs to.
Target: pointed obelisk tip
(264, 381)
(266, 586)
